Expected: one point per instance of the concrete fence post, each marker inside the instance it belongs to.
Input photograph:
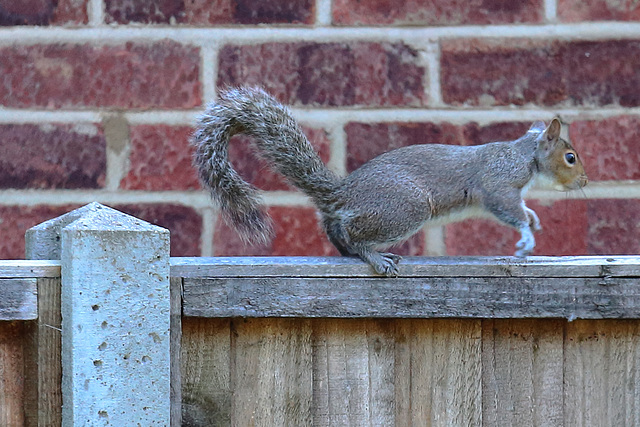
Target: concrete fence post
(116, 356)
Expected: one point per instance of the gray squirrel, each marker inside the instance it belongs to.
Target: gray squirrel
(389, 198)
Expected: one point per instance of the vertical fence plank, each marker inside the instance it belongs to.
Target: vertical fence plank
(439, 373)
(43, 366)
(206, 388)
(49, 350)
(11, 374)
(353, 372)
(176, 356)
(340, 373)
(43, 358)
(522, 372)
(271, 372)
(602, 373)
(381, 339)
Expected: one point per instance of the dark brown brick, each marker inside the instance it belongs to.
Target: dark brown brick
(52, 156)
(328, 74)
(438, 12)
(43, 12)
(184, 223)
(144, 11)
(257, 171)
(273, 12)
(614, 227)
(160, 159)
(135, 75)
(608, 148)
(366, 141)
(547, 73)
(598, 10)
(205, 12)
(297, 233)
(564, 232)
(16, 220)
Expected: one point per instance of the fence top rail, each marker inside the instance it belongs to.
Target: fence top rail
(15, 269)
(438, 287)
(201, 267)
(574, 266)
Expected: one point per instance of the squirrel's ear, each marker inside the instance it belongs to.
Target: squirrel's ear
(537, 126)
(553, 130)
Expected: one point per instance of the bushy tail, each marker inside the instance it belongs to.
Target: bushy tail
(254, 112)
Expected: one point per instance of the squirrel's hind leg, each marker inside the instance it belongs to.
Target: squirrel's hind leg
(383, 263)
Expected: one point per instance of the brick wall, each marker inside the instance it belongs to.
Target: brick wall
(98, 98)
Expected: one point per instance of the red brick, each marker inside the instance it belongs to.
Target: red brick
(598, 10)
(160, 159)
(614, 227)
(438, 12)
(52, 156)
(184, 223)
(564, 232)
(542, 72)
(297, 230)
(256, 171)
(608, 148)
(414, 246)
(135, 75)
(205, 12)
(43, 12)
(16, 220)
(328, 74)
(298, 233)
(365, 140)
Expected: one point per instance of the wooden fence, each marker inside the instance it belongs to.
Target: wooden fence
(309, 341)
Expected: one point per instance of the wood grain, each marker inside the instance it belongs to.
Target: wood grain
(522, 368)
(18, 299)
(43, 361)
(176, 356)
(438, 373)
(206, 370)
(602, 373)
(271, 372)
(11, 374)
(29, 268)
(437, 297)
(353, 372)
(579, 266)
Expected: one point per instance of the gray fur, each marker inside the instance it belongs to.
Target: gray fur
(253, 112)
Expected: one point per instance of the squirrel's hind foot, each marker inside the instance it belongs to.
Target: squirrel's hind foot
(384, 263)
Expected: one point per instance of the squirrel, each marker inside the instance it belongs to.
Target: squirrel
(389, 198)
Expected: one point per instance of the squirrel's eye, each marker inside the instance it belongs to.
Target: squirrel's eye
(570, 157)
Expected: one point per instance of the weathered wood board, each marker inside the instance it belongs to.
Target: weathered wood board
(11, 374)
(11, 269)
(578, 266)
(413, 297)
(18, 299)
(410, 372)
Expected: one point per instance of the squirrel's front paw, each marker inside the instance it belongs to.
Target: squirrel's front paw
(526, 244)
